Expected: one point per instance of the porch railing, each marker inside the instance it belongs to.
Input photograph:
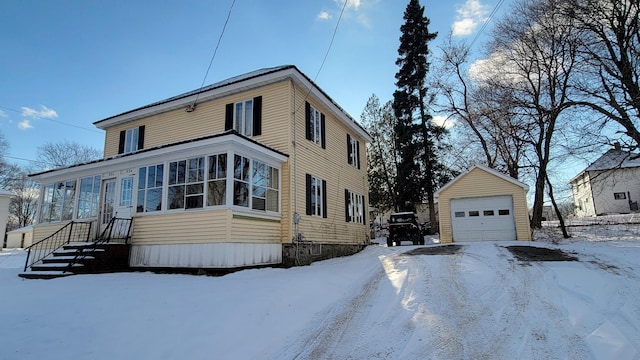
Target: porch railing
(118, 230)
(72, 232)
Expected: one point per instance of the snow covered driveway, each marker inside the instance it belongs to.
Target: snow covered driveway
(479, 303)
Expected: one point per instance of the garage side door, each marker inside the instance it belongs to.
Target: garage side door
(483, 218)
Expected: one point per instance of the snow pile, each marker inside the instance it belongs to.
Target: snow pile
(379, 304)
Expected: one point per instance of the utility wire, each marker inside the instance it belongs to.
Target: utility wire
(335, 30)
(215, 51)
(56, 121)
(495, 10)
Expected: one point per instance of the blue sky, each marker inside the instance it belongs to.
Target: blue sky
(65, 64)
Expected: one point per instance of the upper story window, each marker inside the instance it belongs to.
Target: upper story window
(315, 125)
(245, 117)
(353, 151)
(131, 140)
(316, 196)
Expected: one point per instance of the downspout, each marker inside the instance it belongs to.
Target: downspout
(296, 217)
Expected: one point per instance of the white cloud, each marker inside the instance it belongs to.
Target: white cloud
(43, 113)
(443, 121)
(3, 114)
(24, 125)
(470, 15)
(324, 15)
(351, 4)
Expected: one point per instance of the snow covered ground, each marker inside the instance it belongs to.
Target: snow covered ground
(480, 303)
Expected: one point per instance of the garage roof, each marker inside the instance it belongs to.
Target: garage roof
(487, 169)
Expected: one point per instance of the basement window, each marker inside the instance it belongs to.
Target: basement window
(619, 196)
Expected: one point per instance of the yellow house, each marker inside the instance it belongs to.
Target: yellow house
(263, 168)
(483, 205)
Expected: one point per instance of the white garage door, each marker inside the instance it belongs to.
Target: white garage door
(483, 218)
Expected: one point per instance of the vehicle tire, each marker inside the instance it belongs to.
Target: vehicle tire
(389, 242)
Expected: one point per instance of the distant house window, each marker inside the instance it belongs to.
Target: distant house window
(131, 140)
(315, 125)
(503, 212)
(245, 117)
(353, 151)
(619, 196)
(459, 214)
(474, 213)
(57, 201)
(316, 196)
(186, 184)
(217, 180)
(150, 182)
(488, 213)
(354, 207)
(89, 197)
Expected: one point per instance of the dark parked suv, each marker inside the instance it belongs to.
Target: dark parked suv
(404, 227)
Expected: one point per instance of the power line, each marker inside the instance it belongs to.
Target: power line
(335, 30)
(495, 9)
(215, 51)
(56, 121)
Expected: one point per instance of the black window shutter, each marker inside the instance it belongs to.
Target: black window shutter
(308, 129)
(347, 198)
(308, 194)
(228, 117)
(257, 116)
(364, 212)
(358, 153)
(322, 127)
(349, 149)
(324, 199)
(123, 134)
(141, 137)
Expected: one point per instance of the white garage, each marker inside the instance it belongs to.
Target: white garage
(483, 218)
(483, 205)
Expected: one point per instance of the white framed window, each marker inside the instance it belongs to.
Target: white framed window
(620, 196)
(58, 201)
(243, 117)
(353, 151)
(354, 207)
(89, 197)
(265, 187)
(150, 184)
(315, 125)
(131, 140)
(126, 191)
(316, 196)
(217, 180)
(186, 184)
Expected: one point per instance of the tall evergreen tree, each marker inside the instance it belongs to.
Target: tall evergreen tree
(416, 134)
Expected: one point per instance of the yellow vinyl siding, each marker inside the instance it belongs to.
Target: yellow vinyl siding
(182, 228)
(42, 231)
(251, 229)
(479, 183)
(209, 119)
(329, 164)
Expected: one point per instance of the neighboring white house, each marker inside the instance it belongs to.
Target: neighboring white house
(20, 238)
(5, 199)
(610, 185)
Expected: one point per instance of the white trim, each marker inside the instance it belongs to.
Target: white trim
(486, 169)
(205, 255)
(290, 73)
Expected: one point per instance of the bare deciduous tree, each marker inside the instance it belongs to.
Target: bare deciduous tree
(66, 153)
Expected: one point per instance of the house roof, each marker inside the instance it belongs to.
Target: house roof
(176, 144)
(6, 193)
(486, 169)
(235, 84)
(612, 159)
